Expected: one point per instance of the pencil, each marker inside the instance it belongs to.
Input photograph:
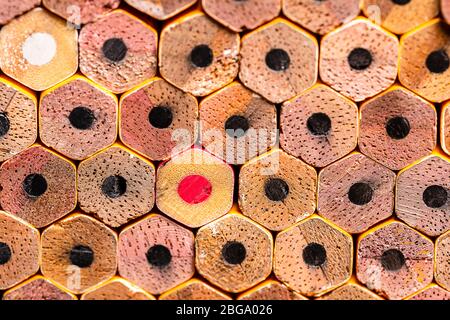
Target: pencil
(442, 264)
(38, 288)
(116, 289)
(445, 128)
(271, 290)
(445, 9)
(431, 292)
(194, 289)
(13, 9)
(351, 291)
(161, 9)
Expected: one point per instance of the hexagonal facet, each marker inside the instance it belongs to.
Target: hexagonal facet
(38, 186)
(271, 290)
(359, 59)
(397, 128)
(12, 9)
(424, 61)
(432, 292)
(78, 118)
(118, 51)
(80, 11)
(79, 253)
(313, 256)
(194, 188)
(321, 16)
(194, 289)
(242, 15)
(158, 119)
(320, 126)
(277, 190)
(351, 291)
(156, 254)
(442, 262)
(117, 289)
(38, 49)
(423, 195)
(18, 119)
(161, 9)
(116, 185)
(234, 253)
(356, 193)
(445, 128)
(19, 248)
(237, 124)
(279, 60)
(198, 55)
(400, 16)
(38, 288)
(394, 260)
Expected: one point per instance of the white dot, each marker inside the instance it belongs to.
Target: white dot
(39, 49)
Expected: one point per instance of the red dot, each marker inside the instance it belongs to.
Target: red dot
(194, 189)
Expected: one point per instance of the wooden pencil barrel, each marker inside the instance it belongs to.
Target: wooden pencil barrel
(442, 263)
(351, 291)
(271, 290)
(13, 9)
(194, 289)
(38, 288)
(445, 8)
(431, 292)
(161, 9)
(445, 128)
(117, 289)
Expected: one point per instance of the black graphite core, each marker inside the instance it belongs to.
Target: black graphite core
(278, 60)
(82, 118)
(234, 252)
(201, 56)
(160, 117)
(159, 256)
(360, 59)
(401, 2)
(5, 253)
(360, 193)
(4, 124)
(438, 61)
(398, 128)
(319, 124)
(435, 196)
(34, 185)
(81, 256)
(237, 126)
(114, 49)
(276, 189)
(314, 254)
(392, 260)
(114, 186)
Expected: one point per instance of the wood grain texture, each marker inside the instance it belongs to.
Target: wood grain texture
(296, 204)
(211, 245)
(235, 100)
(415, 48)
(321, 16)
(351, 291)
(114, 207)
(442, 261)
(180, 37)
(431, 292)
(194, 289)
(131, 66)
(445, 128)
(396, 277)
(335, 185)
(319, 150)
(271, 290)
(38, 288)
(135, 264)
(60, 193)
(61, 238)
(337, 46)
(12, 9)
(299, 75)
(20, 250)
(292, 266)
(418, 200)
(445, 9)
(161, 9)
(117, 289)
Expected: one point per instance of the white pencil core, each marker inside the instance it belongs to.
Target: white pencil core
(39, 49)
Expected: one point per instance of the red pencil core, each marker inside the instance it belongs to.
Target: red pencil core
(195, 189)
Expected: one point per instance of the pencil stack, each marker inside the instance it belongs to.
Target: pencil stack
(224, 150)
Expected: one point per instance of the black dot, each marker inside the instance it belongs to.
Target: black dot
(276, 189)
(81, 118)
(160, 117)
(159, 256)
(278, 60)
(5, 253)
(319, 124)
(438, 61)
(392, 260)
(234, 252)
(401, 2)
(398, 128)
(435, 196)
(114, 49)
(314, 254)
(114, 186)
(360, 59)
(34, 185)
(201, 56)
(237, 126)
(360, 194)
(4, 124)
(81, 256)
